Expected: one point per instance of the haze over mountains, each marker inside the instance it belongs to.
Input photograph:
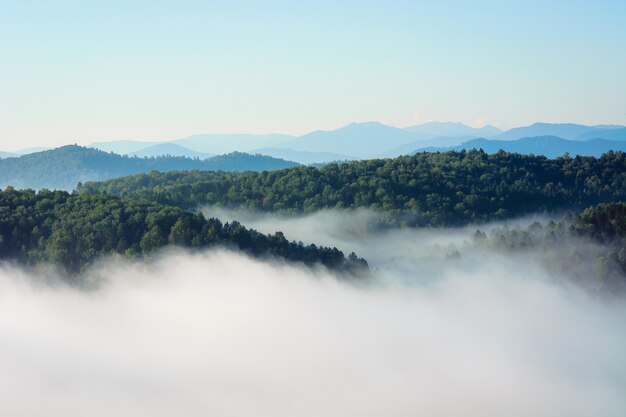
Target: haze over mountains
(376, 140)
(362, 140)
(549, 146)
(169, 149)
(63, 168)
(616, 133)
(562, 130)
(21, 152)
(453, 129)
(204, 143)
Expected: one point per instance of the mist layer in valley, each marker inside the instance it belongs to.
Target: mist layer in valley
(443, 327)
(420, 255)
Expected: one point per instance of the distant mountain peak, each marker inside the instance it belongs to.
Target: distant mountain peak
(562, 130)
(372, 124)
(361, 140)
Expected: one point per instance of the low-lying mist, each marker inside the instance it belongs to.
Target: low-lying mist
(218, 333)
(409, 254)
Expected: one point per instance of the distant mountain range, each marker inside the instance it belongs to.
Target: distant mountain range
(223, 143)
(370, 140)
(361, 141)
(63, 168)
(549, 146)
(356, 140)
(123, 147)
(169, 149)
(618, 133)
(205, 143)
(562, 130)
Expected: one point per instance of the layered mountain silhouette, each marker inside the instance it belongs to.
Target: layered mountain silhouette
(373, 140)
(360, 140)
(615, 133)
(549, 146)
(561, 130)
(203, 143)
(63, 168)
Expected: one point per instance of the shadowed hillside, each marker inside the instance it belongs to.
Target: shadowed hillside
(63, 168)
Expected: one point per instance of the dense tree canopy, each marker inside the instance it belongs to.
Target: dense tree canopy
(73, 230)
(451, 188)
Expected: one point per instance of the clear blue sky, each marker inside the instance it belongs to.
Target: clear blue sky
(79, 71)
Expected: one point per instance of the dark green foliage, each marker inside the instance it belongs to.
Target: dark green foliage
(427, 189)
(605, 222)
(63, 168)
(73, 230)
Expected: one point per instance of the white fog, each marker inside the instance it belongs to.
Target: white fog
(219, 333)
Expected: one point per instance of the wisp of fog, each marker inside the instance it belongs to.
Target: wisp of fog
(219, 333)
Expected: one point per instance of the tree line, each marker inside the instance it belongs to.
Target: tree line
(73, 230)
(426, 189)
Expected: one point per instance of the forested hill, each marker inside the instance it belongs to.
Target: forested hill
(451, 188)
(63, 168)
(74, 230)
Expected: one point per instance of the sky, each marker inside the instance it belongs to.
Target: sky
(80, 71)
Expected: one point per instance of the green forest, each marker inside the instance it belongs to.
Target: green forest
(72, 231)
(427, 189)
(136, 215)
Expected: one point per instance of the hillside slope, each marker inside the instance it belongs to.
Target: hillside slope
(63, 168)
(453, 188)
(74, 230)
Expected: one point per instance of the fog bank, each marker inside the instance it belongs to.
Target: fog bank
(217, 333)
(409, 254)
